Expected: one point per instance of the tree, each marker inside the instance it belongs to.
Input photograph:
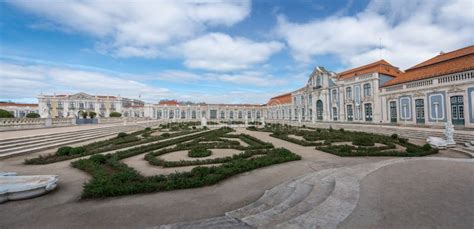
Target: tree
(32, 115)
(84, 114)
(115, 114)
(92, 114)
(5, 114)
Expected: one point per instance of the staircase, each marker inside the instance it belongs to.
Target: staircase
(316, 200)
(23, 145)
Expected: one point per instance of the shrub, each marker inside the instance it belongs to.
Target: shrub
(199, 151)
(363, 141)
(194, 127)
(342, 129)
(32, 115)
(331, 129)
(84, 114)
(166, 135)
(146, 135)
(426, 147)
(63, 151)
(148, 129)
(92, 114)
(121, 135)
(394, 136)
(403, 140)
(77, 150)
(98, 158)
(115, 114)
(5, 114)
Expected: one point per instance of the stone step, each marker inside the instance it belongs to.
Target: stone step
(323, 186)
(54, 138)
(50, 141)
(302, 190)
(222, 222)
(31, 149)
(467, 151)
(48, 136)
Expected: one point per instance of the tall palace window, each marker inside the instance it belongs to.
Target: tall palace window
(348, 93)
(367, 90)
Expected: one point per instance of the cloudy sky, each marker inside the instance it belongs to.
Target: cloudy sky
(212, 50)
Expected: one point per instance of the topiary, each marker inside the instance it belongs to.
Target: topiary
(115, 114)
(394, 136)
(77, 150)
(98, 158)
(63, 151)
(5, 114)
(32, 115)
(363, 141)
(122, 135)
(92, 114)
(166, 135)
(148, 129)
(199, 151)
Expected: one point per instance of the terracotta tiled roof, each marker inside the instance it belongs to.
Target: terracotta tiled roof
(7, 104)
(380, 66)
(447, 63)
(281, 99)
(168, 102)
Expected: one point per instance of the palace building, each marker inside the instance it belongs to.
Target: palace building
(19, 110)
(430, 93)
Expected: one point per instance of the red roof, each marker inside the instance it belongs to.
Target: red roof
(168, 102)
(445, 63)
(380, 66)
(280, 99)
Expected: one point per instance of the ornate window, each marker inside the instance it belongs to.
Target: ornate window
(348, 92)
(367, 90)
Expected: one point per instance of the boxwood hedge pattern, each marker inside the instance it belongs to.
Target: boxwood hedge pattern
(111, 177)
(122, 140)
(363, 143)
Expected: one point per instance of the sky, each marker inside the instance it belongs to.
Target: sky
(212, 51)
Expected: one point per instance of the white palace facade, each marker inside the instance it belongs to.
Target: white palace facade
(431, 93)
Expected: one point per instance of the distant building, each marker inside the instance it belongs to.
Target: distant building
(19, 110)
(58, 106)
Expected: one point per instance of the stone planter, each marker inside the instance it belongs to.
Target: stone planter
(23, 187)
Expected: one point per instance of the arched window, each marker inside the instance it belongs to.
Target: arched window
(348, 93)
(367, 90)
(231, 115)
(334, 95)
(319, 109)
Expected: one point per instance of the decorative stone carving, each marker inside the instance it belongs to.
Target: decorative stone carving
(437, 143)
(14, 187)
(263, 121)
(449, 132)
(440, 143)
(203, 121)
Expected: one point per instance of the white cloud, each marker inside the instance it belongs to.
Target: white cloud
(249, 78)
(132, 28)
(27, 81)
(410, 32)
(220, 52)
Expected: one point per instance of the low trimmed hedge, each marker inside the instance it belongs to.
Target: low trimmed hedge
(114, 178)
(199, 151)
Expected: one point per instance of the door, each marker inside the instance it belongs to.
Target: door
(334, 114)
(393, 112)
(457, 110)
(420, 111)
(350, 113)
(368, 112)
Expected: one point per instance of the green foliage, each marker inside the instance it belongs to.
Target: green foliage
(104, 146)
(363, 141)
(122, 135)
(92, 114)
(5, 114)
(113, 178)
(84, 114)
(115, 114)
(166, 135)
(199, 151)
(66, 151)
(394, 136)
(32, 115)
(148, 129)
